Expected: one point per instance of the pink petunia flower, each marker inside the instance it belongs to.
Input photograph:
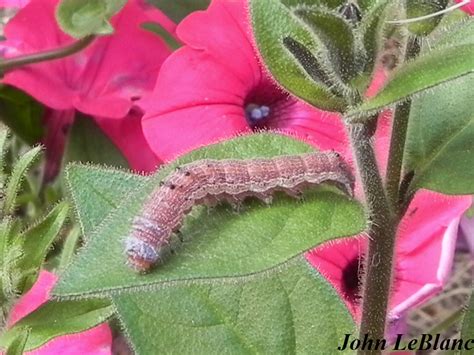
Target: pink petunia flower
(104, 80)
(13, 3)
(425, 248)
(469, 8)
(216, 88)
(95, 341)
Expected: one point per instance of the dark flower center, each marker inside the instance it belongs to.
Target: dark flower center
(351, 280)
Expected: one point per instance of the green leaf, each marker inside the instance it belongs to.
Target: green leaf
(336, 34)
(468, 324)
(38, 240)
(56, 318)
(440, 139)
(274, 24)
(176, 10)
(17, 345)
(21, 113)
(217, 244)
(371, 32)
(69, 247)
(3, 151)
(277, 313)
(87, 143)
(425, 72)
(80, 18)
(17, 175)
(230, 312)
(94, 200)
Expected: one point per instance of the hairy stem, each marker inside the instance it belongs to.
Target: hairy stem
(381, 231)
(397, 147)
(12, 63)
(397, 142)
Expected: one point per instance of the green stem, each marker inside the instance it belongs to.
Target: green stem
(397, 142)
(397, 147)
(381, 233)
(13, 63)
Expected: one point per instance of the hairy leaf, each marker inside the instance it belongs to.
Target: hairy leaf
(56, 318)
(38, 240)
(272, 23)
(425, 72)
(440, 139)
(80, 18)
(16, 177)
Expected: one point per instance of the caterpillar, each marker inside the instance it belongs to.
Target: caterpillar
(211, 181)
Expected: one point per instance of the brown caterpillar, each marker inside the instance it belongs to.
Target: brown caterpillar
(211, 181)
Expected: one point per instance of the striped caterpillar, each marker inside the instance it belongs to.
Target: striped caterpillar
(211, 181)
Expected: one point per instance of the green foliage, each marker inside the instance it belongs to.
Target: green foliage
(23, 248)
(440, 139)
(80, 18)
(289, 50)
(176, 10)
(18, 174)
(21, 113)
(37, 240)
(337, 37)
(431, 69)
(17, 345)
(54, 319)
(228, 267)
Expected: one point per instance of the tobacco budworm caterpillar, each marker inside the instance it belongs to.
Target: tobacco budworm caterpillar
(211, 181)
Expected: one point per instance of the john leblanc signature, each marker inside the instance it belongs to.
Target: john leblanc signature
(424, 342)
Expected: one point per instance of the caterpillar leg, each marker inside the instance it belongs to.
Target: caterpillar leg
(295, 193)
(266, 198)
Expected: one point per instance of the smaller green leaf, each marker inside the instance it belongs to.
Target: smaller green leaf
(335, 34)
(440, 139)
(88, 143)
(56, 318)
(69, 247)
(21, 113)
(80, 18)
(18, 174)
(371, 31)
(37, 242)
(3, 148)
(431, 69)
(17, 346)
(272, 23)
(419, 8)
(177, 10)
(468, 323)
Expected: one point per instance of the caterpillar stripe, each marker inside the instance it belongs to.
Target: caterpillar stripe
(212, 181)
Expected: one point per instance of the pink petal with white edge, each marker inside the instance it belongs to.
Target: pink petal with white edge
(95, 341)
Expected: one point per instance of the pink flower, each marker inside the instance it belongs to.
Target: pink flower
(104, 80)
(13, 3)
(424, 252)
(469, 8)
(216, 88)
(95, 341)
